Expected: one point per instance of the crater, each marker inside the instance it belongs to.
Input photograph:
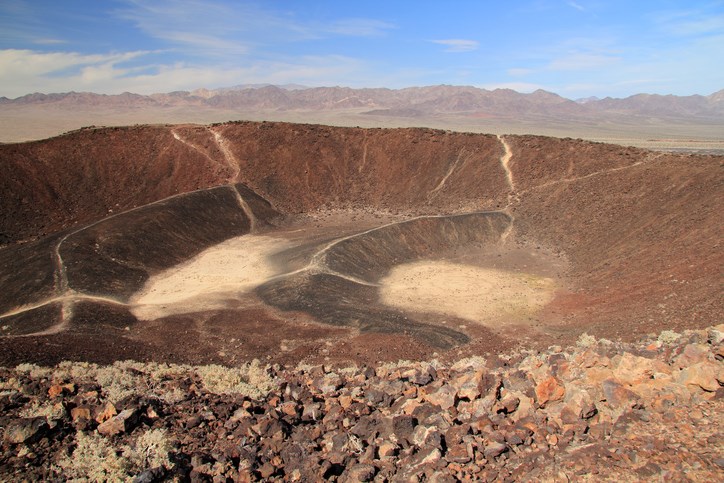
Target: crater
(293, 243)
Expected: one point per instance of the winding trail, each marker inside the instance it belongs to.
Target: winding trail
(450, 171)
(67, 296)
(505, 164)
(70, 299)
(196, 148)
(590, 175)
(253, 222)
(62, 285)
(364, 154)
(231, 160)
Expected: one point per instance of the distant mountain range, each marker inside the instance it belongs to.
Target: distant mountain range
(410, 102)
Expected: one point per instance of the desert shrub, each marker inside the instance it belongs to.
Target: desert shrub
(150, 450)
(117, 383)
(94, 459)
(249, 379)
(34, 371)
(585, 340)
(172, 396)
(52, 411)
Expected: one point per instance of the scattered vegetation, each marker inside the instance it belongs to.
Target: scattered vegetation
(94, 459)
(250, 379)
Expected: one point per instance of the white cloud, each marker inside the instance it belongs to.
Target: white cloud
(218, 29)
(458, 45)
(26, 71)
(577, 6)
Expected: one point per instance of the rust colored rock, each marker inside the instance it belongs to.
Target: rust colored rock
(467, 385)
(55, 390)
(692, 354)
(493, 450)
(359, 472)
(632, 369)
(387, 449)
(289, 408)
(708, 375)
(266, 470)
(443, 397)
(617, 395)
(80, 413)
(507, 405)
(120, 423)
(549, 389)
(106, 412)
(459, 453)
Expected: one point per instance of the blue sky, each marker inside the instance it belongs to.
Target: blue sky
(576, 48)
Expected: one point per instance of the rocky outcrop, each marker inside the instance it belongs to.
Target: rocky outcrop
(602, 410)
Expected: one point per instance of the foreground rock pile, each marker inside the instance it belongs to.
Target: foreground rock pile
(600, 410)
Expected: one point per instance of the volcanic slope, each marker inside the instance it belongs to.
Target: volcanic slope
(295, 242)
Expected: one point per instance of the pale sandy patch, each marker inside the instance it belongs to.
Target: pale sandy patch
(482, 295)
(210, 280)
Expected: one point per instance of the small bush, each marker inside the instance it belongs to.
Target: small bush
(50, 410)
(94, 459)
(150, 450)
(117, 382)
(585, 340)
(250, 379)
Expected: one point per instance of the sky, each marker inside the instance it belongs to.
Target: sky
(575, 48)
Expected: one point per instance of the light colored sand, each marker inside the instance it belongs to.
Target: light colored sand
(212, 280)
(482, 295)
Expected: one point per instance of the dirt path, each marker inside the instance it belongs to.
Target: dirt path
(196, 148)
(449, 172)
(229, 156)
(505, 163)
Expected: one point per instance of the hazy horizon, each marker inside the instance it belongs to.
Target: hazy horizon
(303, 87)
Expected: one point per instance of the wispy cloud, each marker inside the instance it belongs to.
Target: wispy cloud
(236, 28)
(458, 45)
(360, 27)
(24, 71)
(49, 41)
(691, 23)
(577, 6)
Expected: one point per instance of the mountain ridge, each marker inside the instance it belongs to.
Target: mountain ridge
(415, 101)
